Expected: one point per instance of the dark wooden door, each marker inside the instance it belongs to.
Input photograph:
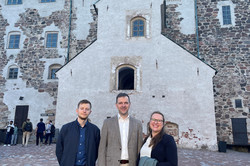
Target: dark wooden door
(21, 114)
(239, 131)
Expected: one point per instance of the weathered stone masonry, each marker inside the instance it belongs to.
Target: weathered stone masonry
(30, 58)
(3, 62)
(172, 30)
(226, 49)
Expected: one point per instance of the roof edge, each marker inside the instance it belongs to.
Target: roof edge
(191, 53)
(76, 55)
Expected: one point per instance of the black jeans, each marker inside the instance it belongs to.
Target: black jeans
(39, 135)
(48, 135)
(8, 138)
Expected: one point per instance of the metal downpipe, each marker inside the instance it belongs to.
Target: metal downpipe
(70, 17)
(197, 32)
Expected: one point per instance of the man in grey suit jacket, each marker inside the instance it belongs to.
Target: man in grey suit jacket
(121, 137)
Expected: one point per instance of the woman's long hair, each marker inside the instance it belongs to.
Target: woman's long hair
(156, 139)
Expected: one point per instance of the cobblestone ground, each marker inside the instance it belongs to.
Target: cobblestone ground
(33, 155)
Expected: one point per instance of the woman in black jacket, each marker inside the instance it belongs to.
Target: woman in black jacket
(159, 145)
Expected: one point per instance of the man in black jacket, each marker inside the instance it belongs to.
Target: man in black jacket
(78, 141)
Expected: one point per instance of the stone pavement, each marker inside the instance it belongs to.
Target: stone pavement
(33, 155)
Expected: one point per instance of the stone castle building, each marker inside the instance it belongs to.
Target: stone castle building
(39, 37)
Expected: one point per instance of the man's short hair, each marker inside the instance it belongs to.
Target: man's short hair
(41, 119)
(84, 102)
(122, 95)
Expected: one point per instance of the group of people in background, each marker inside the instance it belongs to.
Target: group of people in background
(120, 142)
(42, 131)
(47, 131)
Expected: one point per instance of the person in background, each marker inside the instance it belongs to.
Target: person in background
(48, 133)
(78, 141)
(121, 136)
(14, 135)
(158, 146)
(9, 132)
(27, 128)
(53, 130)
(40, 132)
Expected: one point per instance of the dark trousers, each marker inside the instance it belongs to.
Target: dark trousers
(8, 138)
(39, 135)
(48, 135)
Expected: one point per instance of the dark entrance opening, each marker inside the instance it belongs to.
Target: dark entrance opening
(21, 115)
(126, 79)
(239, 126)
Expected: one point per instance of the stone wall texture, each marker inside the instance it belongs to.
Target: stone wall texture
(32, 57)
(227, 50)
(172, 30)
(3, 61)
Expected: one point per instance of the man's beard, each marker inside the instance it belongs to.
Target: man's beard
(83, 118)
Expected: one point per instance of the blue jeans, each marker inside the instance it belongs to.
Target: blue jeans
(14, 139)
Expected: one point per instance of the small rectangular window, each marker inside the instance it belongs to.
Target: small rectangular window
(126, 76)
(52, 71)
(51, 40)
(45, 1)
(238, 103)
(14, 41)
(226, 15)
(53, 74)
(13, 73)
(138, 28)
(14, 2)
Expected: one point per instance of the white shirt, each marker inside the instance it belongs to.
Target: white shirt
(124, 126)
(48, 128)
(146, 150)
(9, 126)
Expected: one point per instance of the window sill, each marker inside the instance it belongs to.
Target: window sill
(126, 91)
